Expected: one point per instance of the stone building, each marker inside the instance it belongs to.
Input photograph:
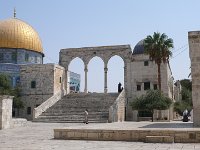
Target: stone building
(194, 46)
(144, 77)
(46, 87)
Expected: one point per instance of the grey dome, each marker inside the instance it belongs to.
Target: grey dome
(139, 48)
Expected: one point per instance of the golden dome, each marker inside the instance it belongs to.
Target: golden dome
(15, 33)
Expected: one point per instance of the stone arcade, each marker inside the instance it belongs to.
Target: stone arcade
(45, 90)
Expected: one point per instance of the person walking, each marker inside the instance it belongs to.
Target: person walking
(86, 116)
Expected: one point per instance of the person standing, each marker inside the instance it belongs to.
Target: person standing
(185, 115)
(86, 116)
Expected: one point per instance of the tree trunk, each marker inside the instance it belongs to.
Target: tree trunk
(152, 115)
(159, 76)
(159, 85)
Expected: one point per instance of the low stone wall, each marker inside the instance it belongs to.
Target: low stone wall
(177, 136)
(117, 110)
(5, 111)
(18, 122)
(45, 105)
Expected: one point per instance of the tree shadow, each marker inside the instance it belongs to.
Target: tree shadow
(169, 125)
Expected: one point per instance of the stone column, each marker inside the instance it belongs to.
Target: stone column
(67, 80)
(5, 111)
(194, 50)
(86, 71)
(125, 77)
(105, 78)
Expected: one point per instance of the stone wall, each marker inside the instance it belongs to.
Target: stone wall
(138, 135)
(5, 111)
(59, 79)
(177, 91)
(194, 46)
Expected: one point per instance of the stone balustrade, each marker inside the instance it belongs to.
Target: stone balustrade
(117, 110)
(47, 104)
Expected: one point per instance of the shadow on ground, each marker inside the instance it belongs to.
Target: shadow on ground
(169, 125)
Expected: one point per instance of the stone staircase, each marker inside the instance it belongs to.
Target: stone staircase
(72, 106)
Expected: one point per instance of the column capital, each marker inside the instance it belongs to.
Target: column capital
(86, 68)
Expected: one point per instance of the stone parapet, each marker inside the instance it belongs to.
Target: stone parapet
(45, 105)
(18, 122)
(147, 135)
(117, 110)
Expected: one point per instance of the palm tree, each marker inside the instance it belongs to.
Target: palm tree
(158, 48)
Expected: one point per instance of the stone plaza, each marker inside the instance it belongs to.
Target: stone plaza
(39, 136)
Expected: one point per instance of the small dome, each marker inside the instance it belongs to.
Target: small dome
(139, 48)
(15, 33)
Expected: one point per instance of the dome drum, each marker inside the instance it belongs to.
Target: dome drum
(20, 56)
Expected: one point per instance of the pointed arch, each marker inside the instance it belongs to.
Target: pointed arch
(76, 66)
(115, 73)
(96, 75)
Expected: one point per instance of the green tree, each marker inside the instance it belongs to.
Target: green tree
(186, 101)
(152, 100)
(6, 89)
(158, 48)
(186, 83)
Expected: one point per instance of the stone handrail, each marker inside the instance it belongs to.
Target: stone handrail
(117, 110)
(45, 105)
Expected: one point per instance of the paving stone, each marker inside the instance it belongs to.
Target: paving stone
(39, 136)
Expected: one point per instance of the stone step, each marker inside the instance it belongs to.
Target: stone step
(74, 113)
(73, 116)
(71, 121)
(71, 108)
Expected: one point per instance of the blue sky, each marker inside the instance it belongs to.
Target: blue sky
(82, 23)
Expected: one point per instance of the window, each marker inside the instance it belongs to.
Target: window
(1, 56)
(26, 57)
(33, 84)
(138, 87)
(146, 63)
(146, 85)
(14, 56)
(28, 110)
(60, 79)
(155, 87)
(36, 59)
